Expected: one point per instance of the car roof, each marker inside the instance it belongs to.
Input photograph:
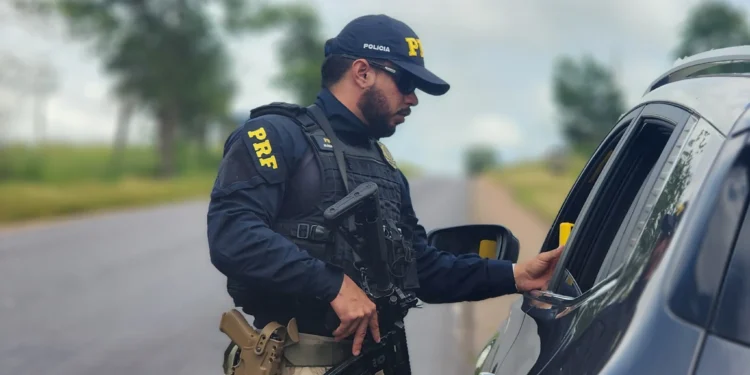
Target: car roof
(719, 98)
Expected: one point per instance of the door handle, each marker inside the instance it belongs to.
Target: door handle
(554, 299)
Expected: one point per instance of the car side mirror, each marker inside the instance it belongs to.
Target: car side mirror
(487, 240)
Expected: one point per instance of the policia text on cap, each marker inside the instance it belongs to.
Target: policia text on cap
(280, 172)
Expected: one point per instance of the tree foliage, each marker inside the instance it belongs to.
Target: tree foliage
(588, 99)
(479, 159)
(713, 25)
(166, 57)
(301, 54)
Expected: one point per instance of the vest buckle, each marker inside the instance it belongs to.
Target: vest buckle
(303, 228)
(311, 232)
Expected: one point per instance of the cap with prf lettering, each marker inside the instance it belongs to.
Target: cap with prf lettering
(382, 37)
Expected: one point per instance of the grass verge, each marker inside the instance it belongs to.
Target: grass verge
(59, 180)
(26, 201)
(535, 187)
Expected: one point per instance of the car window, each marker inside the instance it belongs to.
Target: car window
(679, 179)
(615, 254)
(589, 177)
(732, 319)
(609, 208)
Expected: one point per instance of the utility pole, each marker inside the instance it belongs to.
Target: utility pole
(37, 79)
(44, 83)
(10, 73)
(11, 82)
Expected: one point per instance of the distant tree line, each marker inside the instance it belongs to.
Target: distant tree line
(588, 98)
(169, 59)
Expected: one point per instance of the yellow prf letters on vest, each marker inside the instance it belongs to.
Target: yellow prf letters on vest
(414, 45)
(263, 148)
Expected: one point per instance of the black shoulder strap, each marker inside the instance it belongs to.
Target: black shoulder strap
(304, 116)
(338, 147)
(277, 108)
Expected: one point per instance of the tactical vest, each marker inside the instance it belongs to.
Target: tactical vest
(373, 163)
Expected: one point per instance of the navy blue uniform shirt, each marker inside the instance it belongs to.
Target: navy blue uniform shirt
(246, 199)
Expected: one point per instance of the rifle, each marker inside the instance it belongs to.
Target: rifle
(372, 241)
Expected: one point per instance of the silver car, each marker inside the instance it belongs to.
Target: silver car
(655, 277)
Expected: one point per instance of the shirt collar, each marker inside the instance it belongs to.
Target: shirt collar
(341, 118)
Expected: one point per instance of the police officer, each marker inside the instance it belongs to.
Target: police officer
(283, 167)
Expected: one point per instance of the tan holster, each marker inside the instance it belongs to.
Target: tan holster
(260, 352)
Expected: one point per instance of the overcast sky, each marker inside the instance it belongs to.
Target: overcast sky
(496, 54)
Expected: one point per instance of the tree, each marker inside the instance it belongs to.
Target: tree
(166, 57)
(588, 99)
(480, 159)
(301, 54)
(712, 25)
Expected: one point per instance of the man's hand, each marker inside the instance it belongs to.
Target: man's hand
(356, 312)
(536, 273)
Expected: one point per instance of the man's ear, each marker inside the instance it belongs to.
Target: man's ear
(362, 74)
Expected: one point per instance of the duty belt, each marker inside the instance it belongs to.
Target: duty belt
(317, 351)
(309, 351)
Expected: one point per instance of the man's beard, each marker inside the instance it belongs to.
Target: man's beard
(374, 107)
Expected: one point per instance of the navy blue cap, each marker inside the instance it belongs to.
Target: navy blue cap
(382, 37)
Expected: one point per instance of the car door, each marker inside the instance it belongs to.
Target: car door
(500, 346)
(645, 237)
(610, 191)
(640, 241)
(679, 328)
(727, 344)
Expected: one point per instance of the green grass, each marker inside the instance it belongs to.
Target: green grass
(59, 180)
(64, 164)
(534, 186)
(25, 201)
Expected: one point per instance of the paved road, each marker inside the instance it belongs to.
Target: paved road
(434, 341)
(135, 293)
(494, 204)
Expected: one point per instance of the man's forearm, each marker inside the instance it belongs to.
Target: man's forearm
(446, 278)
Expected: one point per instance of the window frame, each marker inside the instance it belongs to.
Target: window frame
(735, 281)
(661, 111)
(672, 148)
(619, 230)
(635, 229)
(577, 200)
(605, 271)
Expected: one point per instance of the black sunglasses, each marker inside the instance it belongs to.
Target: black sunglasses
(404, 81)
